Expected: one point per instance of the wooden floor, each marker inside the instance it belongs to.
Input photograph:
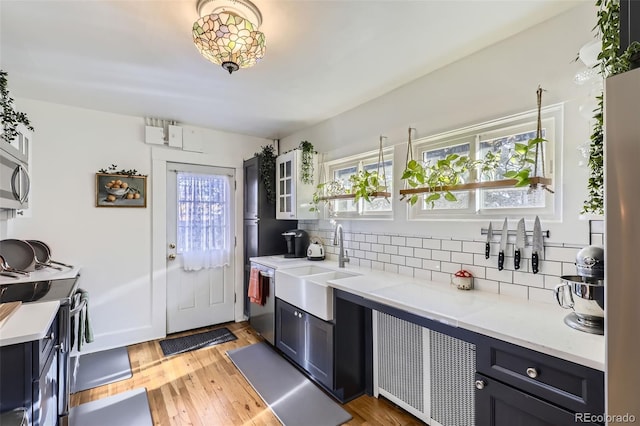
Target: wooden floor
(203, 387)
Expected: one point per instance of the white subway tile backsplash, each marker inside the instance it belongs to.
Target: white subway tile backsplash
(384, 239)
(399, 241)
(422, 274)
(405, 251)
(414, 242)
(597, 239)
(431, 243)
(437, 259)
(513, 290)
(451, 245)
(391, 268)
(406, 271)
(441, 255)
(525, 278)
(461, 257)
(391, 249)
(414, 262)
(422, 253)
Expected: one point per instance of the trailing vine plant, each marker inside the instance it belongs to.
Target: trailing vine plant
(612, 62)
(267, 162)
(306, 170)
(113, 170)
(9, 117)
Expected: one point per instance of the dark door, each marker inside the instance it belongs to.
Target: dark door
(251, 189)
(290, 331)
(318, 355)
(501, 405)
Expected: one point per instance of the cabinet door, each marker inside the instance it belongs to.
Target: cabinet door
(285, 186)
(45, 394)
(290, 331)
(318, 355)
(251, 179)
(500, 405)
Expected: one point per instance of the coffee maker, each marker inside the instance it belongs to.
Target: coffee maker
(297, 243)
(584, 293)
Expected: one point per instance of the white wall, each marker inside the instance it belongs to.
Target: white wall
(113, 245)
(498, 81)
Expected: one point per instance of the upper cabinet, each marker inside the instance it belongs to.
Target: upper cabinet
(293, 197)
(15, 183)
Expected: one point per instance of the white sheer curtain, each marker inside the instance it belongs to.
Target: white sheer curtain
(203, 220)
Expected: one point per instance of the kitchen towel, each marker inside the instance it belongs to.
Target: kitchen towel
(256, 284)
(84, 331)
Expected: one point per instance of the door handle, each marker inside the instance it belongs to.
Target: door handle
(172, 256)
(172, 246)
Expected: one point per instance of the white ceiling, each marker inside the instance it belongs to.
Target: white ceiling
(323, 57)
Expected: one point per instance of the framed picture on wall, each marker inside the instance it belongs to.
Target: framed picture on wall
(115, 190)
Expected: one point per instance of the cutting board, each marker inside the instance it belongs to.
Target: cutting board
(6, 310)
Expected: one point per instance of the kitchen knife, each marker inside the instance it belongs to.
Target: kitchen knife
(487, 247)
(538, 248)
(521, 240)
(503, 244)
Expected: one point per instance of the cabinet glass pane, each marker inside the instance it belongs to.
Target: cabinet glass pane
(281, 204)
(282, 187)
(288, 169)
(287, 186)
(288, 204)
(281, 170)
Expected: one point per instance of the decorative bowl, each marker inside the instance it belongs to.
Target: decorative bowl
(117, 192)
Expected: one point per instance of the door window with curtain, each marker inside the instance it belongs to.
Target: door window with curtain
(203, 222)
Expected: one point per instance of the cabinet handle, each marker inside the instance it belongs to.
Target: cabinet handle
(50, 336)
(532, 372)
(480, 384)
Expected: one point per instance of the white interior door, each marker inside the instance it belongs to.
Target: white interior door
(206, 296)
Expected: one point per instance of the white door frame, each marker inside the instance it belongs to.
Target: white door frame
(159, 158)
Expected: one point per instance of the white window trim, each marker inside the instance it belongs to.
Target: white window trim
(358, 161)
(553, 208)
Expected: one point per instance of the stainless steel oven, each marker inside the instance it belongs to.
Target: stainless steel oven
(262, 317)
(44, 291)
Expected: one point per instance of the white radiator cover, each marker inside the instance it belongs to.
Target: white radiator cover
(429, 374)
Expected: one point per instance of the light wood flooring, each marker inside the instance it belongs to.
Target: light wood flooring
(203, 387)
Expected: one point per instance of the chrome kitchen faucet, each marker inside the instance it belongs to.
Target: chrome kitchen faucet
(338, 238)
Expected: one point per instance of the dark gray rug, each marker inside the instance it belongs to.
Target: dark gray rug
(179, 345)
(293, 398)
(99, 368)
(129, 408)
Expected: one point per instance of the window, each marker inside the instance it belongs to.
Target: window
(342, 170)
(498, 137)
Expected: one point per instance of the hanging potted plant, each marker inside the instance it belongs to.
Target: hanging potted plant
(9, 117)
(267, 164)
(306, 169)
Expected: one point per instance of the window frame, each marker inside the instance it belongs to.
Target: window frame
(552, 115)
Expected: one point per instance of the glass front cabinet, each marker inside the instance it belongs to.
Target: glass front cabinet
(293, 197)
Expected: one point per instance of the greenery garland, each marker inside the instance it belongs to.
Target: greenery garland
(267, 164)
(9, 117)
(611, 63)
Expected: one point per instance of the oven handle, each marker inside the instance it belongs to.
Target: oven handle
(77, 309)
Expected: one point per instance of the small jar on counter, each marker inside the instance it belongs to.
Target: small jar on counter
(463, 280)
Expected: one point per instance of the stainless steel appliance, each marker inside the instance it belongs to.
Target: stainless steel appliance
(14, 175)
(44, 291)
(315, 251)
(584, 293)
(297, 243)
(262, 317)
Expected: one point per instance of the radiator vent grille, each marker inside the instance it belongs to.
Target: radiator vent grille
(453, 364)
(401, 360)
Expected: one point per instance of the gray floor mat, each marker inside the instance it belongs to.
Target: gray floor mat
(178, 345)
(293, 398)
(100, 368)
(129, 408)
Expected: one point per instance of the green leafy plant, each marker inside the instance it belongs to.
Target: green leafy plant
(267, 162)
(612, 62)
(524, 156)
(326, 189)
(364, 183)
(306, 169)
(9, 117)
(113, 170)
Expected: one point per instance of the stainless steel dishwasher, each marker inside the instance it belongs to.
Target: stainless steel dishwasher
(262, 317)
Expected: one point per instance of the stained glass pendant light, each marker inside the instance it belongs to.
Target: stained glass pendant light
(227, 33)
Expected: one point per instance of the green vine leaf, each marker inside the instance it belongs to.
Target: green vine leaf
(267, 166)
(9, 117)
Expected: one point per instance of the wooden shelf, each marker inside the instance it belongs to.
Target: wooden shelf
(352, 196)
(505, 183)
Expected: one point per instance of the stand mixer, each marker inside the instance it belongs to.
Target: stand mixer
(584, 292)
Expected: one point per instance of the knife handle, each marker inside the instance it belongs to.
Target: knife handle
(534, 262)
(487, 250)
(516, 259)
(501, 260)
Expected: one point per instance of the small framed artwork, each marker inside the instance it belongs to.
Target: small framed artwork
(115, 190)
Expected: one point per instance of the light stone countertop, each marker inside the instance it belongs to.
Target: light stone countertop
(30, 322)
(534, 325)
(44, 274)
